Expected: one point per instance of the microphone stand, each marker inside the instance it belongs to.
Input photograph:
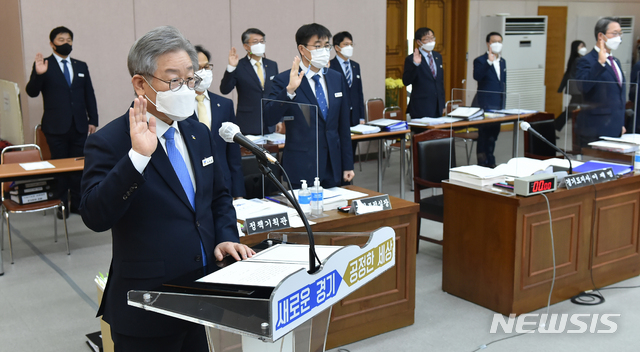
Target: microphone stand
(540, 137)
(262, 164)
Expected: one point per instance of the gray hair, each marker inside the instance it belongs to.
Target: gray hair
(603, 24)
(144, 53)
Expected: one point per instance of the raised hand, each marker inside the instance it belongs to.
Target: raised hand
(602, 55)
(233, 57)
(295, 78)
(492, 56)
(143, 135)
(417, 58)
(41, 64)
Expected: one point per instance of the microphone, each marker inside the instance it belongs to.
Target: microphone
(230, 132)
(525, 126)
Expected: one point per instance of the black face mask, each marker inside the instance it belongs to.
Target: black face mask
(64, 49)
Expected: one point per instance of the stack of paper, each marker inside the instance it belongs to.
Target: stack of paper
(516, 167)
(399, 126)
(275, 138)
(433, 121)
(468, 113)
(257, 139)
(364, 129)
(618, 147)
(382, 122)
(475, 175)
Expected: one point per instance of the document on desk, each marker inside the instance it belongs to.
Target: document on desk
(38, 165)
(269, 267)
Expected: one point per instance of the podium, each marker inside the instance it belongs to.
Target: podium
(287, 314)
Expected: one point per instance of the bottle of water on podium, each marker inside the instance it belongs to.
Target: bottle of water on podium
(304, 198)
(316, 198)
(636, 162)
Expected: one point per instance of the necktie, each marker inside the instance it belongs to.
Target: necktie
(432, 65)
(260, 74)
(348, 73)
(202, 111)
(67, 75)
(180, 168)
(613, 66)
(322, 100)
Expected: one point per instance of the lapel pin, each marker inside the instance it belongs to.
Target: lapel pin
(218, 105)
(192, 136)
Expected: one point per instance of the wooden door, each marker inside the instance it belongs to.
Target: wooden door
(449, 21)
(397, 44)
(555, 62)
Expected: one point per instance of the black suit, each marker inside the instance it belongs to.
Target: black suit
(356, 97)
(68, 112)
(427, 94)
(250, 93)
(156, 233)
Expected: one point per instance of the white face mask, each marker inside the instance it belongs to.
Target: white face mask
(496, 47)
(319, 57)
(613, 43)
(347, 51)
(258, 49)
(582, 51)
(428, 46)
(177, 105)
(207, 78)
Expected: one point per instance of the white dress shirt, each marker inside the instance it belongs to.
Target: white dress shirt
(253, 65)
(495, 63)
(615, 64)
(140, 161)
(59, 59)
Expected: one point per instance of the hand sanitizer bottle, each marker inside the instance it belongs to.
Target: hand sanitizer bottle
(316, 198)
(304, 198)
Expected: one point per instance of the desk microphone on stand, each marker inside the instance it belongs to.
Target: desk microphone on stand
(525, 126)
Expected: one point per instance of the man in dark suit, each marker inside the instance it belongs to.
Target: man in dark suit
(343, 43)
(152, 179)
(490, 70)
(251, 76)
(309, 82)
(603, 86)
(423, 71)
(212, 110)
(70, 109)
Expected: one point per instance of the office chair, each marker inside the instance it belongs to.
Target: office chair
(23, 154)
(433, 156)
(543, 123)
(41, 141)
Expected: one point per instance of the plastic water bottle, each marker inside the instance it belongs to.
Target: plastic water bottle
(636, 162)
(304, 198)
(316, 198)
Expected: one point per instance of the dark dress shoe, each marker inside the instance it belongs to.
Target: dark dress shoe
(59, 213)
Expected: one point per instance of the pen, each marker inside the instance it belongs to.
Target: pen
(273, 200)
(80, 158)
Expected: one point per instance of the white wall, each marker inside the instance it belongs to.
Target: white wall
(575, 9)
(105, 30)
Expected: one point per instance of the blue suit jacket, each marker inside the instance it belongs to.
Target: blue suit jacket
(156, 233)
(63, 104)
(356, 97)
(228, 154)
(250, 93)
(603, 105)
(427, 94)
(488, 81)
(334, 137)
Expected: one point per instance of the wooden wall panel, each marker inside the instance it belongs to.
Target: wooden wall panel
(397, 44)
(555, 62)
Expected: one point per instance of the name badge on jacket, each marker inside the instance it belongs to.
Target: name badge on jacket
(207, 161)
(80, 74)
(338, 94)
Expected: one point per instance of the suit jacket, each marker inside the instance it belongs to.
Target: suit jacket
(427, 94)
(334, 136)
(356, 97)
(63, 104)
(250, 93)
(156, 233)
(228, 154)
(488, 81)
(603, 108)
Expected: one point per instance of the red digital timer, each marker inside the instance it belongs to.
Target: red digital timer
(534, 184)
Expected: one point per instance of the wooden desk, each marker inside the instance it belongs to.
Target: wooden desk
(497, 247)
(381, 136)
(388, 302)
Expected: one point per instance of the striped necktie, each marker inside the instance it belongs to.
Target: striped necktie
(347, 68)
(432, 65)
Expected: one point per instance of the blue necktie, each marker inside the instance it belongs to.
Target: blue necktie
(180, 167)
(348, 72)
(67, 75)
(322, 100)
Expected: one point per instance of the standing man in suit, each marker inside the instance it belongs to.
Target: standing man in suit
(310, 82)
(342, 63)
(490, 71)
(70, 108)
(212, 110)
(602, 86)
(150, 176)
(423, 71)
(251, 76)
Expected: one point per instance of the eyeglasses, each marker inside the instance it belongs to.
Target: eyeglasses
(318, 47)
(616, 34)
(207, 67)
(176, 83)
(428, 39)
(257, 42)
